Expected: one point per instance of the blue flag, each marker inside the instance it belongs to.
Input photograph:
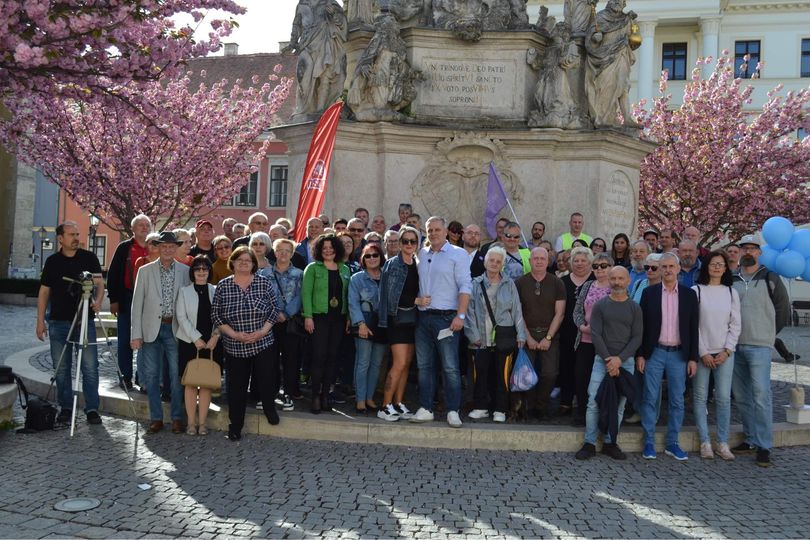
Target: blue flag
(496, 200)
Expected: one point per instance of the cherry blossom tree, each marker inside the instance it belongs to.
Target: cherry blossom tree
(115, 161)
(719, 167)
(49, 46)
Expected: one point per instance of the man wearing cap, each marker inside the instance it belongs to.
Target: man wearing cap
(257, 222)
(566, 240)
(764, 311)
(153, 327)
(205, 240)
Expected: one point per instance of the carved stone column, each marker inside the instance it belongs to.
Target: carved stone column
(710, 30)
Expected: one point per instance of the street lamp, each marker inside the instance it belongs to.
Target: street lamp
(43, 238)
(94, 221)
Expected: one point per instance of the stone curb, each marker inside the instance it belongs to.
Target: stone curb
(344, 428)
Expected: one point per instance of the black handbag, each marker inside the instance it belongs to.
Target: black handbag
(6, 376)
(505, 336)
(295, 325)
(40, 414)
(405, 316)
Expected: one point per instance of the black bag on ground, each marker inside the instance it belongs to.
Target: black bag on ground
(40, 414)
(6, 376)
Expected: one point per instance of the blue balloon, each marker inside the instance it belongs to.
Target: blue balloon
(801, 242)
(778, 232)
(806, 273)
(790, 264)
(768, 257)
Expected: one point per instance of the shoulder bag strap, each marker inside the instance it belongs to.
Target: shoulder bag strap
(489, 306)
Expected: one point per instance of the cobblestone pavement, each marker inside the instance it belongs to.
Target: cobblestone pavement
(208, 486)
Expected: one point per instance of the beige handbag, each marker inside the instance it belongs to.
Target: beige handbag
(202, 372)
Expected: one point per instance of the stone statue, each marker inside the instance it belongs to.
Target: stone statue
(556, 104)
(609, 59)
(383, 80)
(463, 17)
(410, 13)
(504, 14)
(360, 12)
(318, 36)
(579, 15)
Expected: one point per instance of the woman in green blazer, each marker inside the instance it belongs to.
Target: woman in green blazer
(325, 305)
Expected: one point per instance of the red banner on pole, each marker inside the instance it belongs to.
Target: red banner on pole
(316, 170)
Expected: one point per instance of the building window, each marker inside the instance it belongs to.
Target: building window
(247, 195)
(806, 58)
(673, 60)
(801, 133)
(100, 248)
(278, 185)
(752, 49)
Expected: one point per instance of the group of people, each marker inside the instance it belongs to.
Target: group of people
(603, 327)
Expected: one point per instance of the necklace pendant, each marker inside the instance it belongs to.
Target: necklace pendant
(333, 302)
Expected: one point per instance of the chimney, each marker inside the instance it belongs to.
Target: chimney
(231, 49)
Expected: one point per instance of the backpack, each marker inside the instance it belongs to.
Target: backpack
(40, 414)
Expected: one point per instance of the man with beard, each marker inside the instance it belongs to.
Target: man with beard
(638, 254)
(538, 230)
(764, 311)
(690, 264)
(471, 238)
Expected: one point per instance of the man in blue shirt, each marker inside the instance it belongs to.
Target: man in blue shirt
(444, 294)
(638, 254)
(690, 264)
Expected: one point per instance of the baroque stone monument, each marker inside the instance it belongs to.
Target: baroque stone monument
(438, 89)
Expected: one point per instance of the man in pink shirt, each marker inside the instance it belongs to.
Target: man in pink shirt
(669, 346)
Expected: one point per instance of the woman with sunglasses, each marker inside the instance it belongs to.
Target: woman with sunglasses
(221, 269)
(196, 332)
(653, 277)
(454, 232)
(399, 294)
(718, 333)
(580, 263)
(370, 343)
(260, 244)
(620, 250)
(592, 291)
(598, 245)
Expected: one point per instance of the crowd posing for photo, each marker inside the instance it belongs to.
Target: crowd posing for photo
(604, 326)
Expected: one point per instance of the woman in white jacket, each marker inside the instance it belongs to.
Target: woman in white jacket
(195, 332)
(719, 330)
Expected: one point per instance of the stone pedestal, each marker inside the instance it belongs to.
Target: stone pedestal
(549, 173)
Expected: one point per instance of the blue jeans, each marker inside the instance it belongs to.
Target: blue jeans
(428, 346)
(123, 324)
(592, 413)
(673, 364)
(752, 393)
(58, 332)
(368, 358)
(151, 354)
(722, 399)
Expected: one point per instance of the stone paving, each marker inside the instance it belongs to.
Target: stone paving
(208, 486)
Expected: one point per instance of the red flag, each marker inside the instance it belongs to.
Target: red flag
(316, 170)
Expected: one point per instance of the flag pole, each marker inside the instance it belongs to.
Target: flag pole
(509, 203)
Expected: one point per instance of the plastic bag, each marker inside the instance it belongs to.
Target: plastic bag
(523, 377)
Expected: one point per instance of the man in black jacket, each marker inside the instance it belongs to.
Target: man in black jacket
(669, 345)
(120, 284)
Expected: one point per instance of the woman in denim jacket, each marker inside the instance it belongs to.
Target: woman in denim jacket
(370, 343)
(490, 385)
(399, 291)
(287, 280)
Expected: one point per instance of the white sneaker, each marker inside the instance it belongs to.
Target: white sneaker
(706, 451)
(555, 393)
(422, 415)
(388, 413)
(499, 417)
(478, 414)
(403, 411)
(724, 452)
(453, 419)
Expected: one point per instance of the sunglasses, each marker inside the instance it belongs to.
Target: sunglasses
(512, 236)
(200, 269)
(257, 244)
(371, 256)
(406, 242)
(356, 230)
(600, 266)
(603, 246)
(648, 267)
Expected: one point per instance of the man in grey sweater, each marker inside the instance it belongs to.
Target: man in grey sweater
(764, 311)
(616, 330)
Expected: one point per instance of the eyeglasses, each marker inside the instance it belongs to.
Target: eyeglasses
(356, 230)
(407, 242)
(600, 266)
(717, 265)
(648, 267)
(373, 241)
(221, 248)
(371, 256)
(511, 236)
(249, 261)
(257, 244)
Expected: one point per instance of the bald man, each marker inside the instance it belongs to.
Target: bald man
(616, 330)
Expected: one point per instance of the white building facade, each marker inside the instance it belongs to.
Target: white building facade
(678, 32)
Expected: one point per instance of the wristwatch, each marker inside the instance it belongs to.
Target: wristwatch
(728, 352)
(549, 337)
(462, 316)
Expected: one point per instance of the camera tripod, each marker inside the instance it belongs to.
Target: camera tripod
(86, 283)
